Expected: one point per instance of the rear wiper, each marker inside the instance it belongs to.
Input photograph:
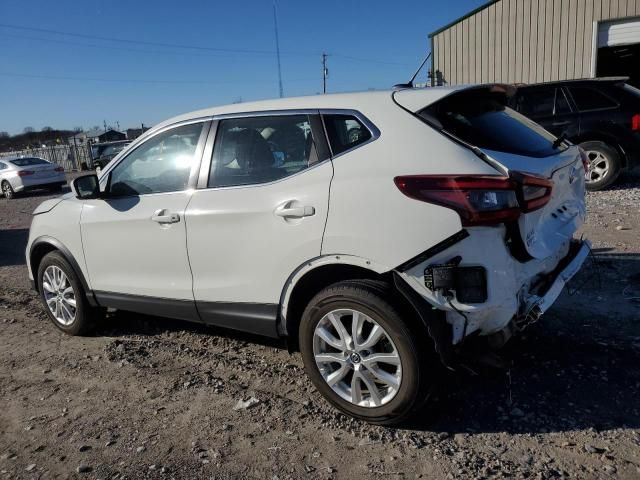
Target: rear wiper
(558, 141)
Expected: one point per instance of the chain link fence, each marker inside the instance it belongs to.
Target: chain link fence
(69, 157)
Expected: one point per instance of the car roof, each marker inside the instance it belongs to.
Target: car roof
(361, 101)
(575, 82)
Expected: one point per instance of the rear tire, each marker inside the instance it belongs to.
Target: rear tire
(605, 165)
(7, 190)
(400, 381)
(64, 298)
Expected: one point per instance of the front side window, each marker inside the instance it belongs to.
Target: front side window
(536, 103)
(345, 132)
(590, 99)
(483, 120)
(161, 164)
(256, 150)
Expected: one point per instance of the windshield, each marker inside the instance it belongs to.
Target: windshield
(26, 162)
(480, 118)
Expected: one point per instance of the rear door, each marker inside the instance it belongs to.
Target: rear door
(259, 214)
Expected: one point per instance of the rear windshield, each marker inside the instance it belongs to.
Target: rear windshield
(26, 162)
(481, 118)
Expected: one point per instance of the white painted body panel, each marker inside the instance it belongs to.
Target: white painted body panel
(240, 251)
(44, 175)
(369, 216)
(127, 252)
(62, 222)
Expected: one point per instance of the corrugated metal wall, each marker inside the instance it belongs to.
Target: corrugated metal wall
(525, 40)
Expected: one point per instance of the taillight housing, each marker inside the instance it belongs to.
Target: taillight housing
(480, 199)
(25, 173)
(635, 122)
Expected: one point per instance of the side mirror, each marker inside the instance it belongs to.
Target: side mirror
(86, 187)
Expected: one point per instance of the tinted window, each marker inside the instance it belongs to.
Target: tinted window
(541, 102)
(2, 166)
(481, 119)
(590, 99)
(26, 162)
(161, 164)
(345, 132)
(260, 149)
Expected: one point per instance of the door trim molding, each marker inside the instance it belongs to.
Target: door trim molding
(256, 318)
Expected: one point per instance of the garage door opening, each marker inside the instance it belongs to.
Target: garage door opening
(619, 50)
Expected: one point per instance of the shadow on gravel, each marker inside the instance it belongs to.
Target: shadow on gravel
(12, 246)
(123, 324)
(576, 369)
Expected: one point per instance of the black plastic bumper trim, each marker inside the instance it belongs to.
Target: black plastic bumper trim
(430, 252)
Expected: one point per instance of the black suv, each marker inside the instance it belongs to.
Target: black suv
(601, 115)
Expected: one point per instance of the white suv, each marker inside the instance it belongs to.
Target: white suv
(375, 231)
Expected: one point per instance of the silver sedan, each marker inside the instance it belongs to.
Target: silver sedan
(29, 173)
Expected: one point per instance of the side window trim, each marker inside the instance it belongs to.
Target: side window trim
(105, 177)
(560, 91)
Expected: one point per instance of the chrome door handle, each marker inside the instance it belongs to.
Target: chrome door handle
(163, 216)
(294, 212)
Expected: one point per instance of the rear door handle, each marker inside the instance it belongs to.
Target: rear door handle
(294, 212)
(561, 124)
(163, 216)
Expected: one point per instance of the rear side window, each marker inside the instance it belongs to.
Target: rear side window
(541, 102)
(257, 150)
(26, 162)
(591, 99)
(345, 132)
(481, 118)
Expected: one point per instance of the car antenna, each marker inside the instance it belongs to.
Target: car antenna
(410, 83)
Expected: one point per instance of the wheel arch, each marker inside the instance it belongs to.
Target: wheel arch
(46, 244)
(314, 275)
(606, 138)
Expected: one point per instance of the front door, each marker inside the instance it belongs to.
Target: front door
(260, 214)
(135, 237)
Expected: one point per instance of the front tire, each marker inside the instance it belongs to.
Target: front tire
(7, 190)
(605, 165)
(362, 356)
(63, 296)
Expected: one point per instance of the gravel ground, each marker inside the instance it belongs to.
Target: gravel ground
(148, 397)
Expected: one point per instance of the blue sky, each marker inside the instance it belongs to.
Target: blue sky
(64, 81)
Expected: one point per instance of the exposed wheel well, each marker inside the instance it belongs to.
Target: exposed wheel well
(314, 281)
(37, 254)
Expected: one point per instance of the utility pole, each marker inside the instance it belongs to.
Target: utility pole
(275, 24)
(325, 73)
(105, 125)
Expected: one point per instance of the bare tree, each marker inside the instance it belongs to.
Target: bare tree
(28, 130)
(78, 129)
(4, 135)
(47, 129)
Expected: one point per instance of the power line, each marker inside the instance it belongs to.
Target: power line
(149, 81)
(180, 46)
(144, 42)
(275, 24)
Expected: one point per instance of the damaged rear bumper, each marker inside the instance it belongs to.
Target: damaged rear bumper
(517, 293)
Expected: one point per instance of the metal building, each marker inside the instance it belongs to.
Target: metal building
(533, 41)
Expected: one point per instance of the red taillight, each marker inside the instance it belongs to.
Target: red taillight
(24, 173)
(635, 122)
(480, 199)
(59, 169)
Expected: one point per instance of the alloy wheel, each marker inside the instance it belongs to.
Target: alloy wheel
(7, 191)
(59, 295)
(357, 358)
(599, 166)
